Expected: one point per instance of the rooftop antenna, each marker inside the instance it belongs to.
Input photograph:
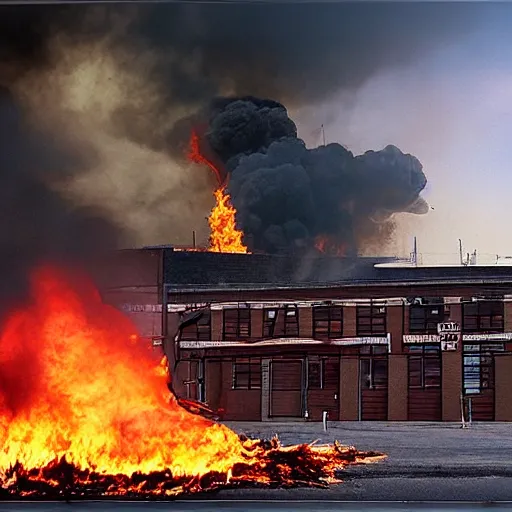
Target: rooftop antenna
(415, 252)
(323, 135)
(460, 252)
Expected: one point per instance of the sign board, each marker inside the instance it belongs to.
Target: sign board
(502, 336)
(449, 336)
(420, 338)
(363, 340)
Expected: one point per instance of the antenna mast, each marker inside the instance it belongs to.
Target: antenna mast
(323, 135)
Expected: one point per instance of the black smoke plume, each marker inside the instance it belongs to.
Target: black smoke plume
(288, 196)
(295, 53)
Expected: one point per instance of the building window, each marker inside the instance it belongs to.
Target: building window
(483, 316)
(424, 366)
(374, 372)
(247, 374)
(424, 318)
(281, 322)
(479, 366)
(237, 324)
(370, 320)
(323, 373)
(327, 322)
(197, 330)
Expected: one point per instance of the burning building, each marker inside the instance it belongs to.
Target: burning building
(267, 337)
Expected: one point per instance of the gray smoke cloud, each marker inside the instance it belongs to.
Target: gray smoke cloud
(97, 103)
(288, 196)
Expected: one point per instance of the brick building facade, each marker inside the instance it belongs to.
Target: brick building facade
(270, 338)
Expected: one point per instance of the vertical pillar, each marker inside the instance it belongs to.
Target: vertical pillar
(216, 320)
(397, 388)
(395, 322)
(349, 321)
(265, 390)
(349, 389)
(502, 387)
(451, 383)
(305, 322)
(256, 323)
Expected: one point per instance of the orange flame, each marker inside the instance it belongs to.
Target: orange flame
(224, 235)
(84, 410)
(326, 246)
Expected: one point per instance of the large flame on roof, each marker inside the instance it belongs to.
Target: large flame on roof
(224, 235)
(85, 411)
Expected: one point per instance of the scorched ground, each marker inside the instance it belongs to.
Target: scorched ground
(85, 412)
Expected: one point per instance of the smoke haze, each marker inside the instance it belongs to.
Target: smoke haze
(96, 101)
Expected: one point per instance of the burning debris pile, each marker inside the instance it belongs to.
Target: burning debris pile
(287, 196)
(85, 412)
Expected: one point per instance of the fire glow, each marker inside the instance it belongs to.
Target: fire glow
(224, 235)
(85, 412)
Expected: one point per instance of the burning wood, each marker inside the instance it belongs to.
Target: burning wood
(85, 412)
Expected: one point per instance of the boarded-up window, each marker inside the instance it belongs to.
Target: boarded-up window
(483, 316)
(370, 320)
(237, 323)
(281, 322)
(199, 330)
(425, 317)
(327, 322)
(424, 366)
(247, 373)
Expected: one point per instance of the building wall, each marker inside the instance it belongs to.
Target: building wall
(503, 387)
(345, 404)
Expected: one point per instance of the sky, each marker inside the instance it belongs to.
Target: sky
(453, 110)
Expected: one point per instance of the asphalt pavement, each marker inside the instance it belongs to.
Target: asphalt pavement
(426, 461)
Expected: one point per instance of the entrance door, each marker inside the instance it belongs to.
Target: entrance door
(373, 388)
(424, 401)
(286, 388)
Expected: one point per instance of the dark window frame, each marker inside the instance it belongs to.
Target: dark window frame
(241, 327)
(291, 328)
(429, 357)
(488, 316)
(327, 322)
(371, 312)
(246, 368)
(198, 331)
(427, 322)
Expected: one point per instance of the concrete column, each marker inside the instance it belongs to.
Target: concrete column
(349, 389)
(503, 387)
(397, 388)
(349, 321)
(394, 320)
(451, 385)
(265, 389)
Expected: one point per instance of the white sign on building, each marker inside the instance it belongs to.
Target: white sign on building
(449, 336)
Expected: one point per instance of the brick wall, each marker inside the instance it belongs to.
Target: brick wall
(349, 321)
(397, 388)
(395, 327)
(451, 385)
(503, 386)
(217, 328)
(256, 323)
(305, 322)
(349, 389)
